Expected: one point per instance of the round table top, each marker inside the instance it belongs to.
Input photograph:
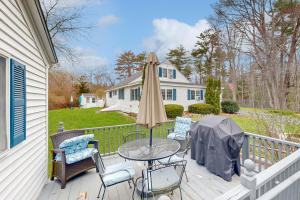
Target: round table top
(140, 149)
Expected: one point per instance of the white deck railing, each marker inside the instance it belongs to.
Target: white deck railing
(280, 181)
(272, 172)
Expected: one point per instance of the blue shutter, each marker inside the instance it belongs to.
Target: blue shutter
(174, 94)
(201, 94)
(139, 93)
(174, 73)
(18, 103)
(160, 71)
(188, 94)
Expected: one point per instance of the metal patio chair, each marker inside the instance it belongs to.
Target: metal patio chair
(162, 179)
(113, 174)
(179, 156)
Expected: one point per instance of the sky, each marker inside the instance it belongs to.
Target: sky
(137, 25)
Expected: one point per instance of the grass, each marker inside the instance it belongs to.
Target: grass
(83, 118)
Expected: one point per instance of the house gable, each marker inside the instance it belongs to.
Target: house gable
(167, 74)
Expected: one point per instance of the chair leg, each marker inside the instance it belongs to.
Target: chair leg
(187, 180)
(99, 191)
(134, 185)
(180, 193)
(129, 184)
(103, 193)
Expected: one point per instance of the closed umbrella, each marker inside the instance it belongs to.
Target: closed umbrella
(151, 109)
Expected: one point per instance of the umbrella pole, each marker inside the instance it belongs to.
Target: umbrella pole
(151, 136)
(150, 162)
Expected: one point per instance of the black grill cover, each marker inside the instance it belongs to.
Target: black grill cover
(216, 142)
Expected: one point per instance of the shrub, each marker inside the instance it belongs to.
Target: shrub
(203, 109)
(230, 107)
(173, 110)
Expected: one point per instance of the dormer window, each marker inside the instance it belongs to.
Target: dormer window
(167, 73)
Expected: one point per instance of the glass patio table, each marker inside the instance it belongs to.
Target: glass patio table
(140, 150)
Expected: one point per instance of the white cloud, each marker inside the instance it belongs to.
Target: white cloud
(170, 33)
(78, 3)
(107, 20)
(87, 60)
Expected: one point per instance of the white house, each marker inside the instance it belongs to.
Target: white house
(88, 100)
(26, 53)
(175, 89)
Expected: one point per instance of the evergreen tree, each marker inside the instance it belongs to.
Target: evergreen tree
(180, 59)
(128, 63)
(213, 92)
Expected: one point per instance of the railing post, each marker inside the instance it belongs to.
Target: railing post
(60, 127)
(248, 179)
(245, 149)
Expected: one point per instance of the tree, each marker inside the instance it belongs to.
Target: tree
(180, 59)
(129, 63)
(213, 92)
(63, 22)
(83, 85)
(208, 57)
(270, 32)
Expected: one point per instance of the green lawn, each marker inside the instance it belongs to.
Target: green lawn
(83, 118)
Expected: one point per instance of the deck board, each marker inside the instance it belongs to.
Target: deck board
(202, 185)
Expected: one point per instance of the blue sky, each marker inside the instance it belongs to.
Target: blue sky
(138, 25)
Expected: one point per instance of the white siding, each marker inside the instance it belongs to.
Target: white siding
(181, 96)
(23, 168)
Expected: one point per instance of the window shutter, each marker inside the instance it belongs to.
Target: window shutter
(139, 93)
(174, 94)
(160, 71)
(201, 94)
(18, 103)
(188, 95)
(174, 73)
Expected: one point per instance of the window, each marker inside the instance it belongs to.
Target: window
(199, 95)
(3, 133)
(18, 103)
(135, 94)
(110, 94)
(192, 94)
(163, 94)
(165, 73)
(115, 92)
(93, 100)
(121, 93)
(169, 94)
(170, 73)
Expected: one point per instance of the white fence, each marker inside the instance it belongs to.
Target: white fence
(280, 181)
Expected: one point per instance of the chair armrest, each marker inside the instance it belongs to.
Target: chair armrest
(170, 130)
(59, 151)
(95, 143)
(126, 170)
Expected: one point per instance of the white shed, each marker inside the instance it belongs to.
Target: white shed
(26, 53)
(88, 100)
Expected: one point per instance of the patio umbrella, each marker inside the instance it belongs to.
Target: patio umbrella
(151, 109)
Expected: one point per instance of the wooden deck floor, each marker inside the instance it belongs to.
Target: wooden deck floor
(202, 185)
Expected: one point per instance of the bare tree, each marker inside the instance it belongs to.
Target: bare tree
(63, 22)
(271, 32)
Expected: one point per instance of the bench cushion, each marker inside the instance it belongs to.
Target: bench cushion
(77, 156)
(76, 144)
(182, 125)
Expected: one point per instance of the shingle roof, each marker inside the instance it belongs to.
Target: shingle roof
(127, 80)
